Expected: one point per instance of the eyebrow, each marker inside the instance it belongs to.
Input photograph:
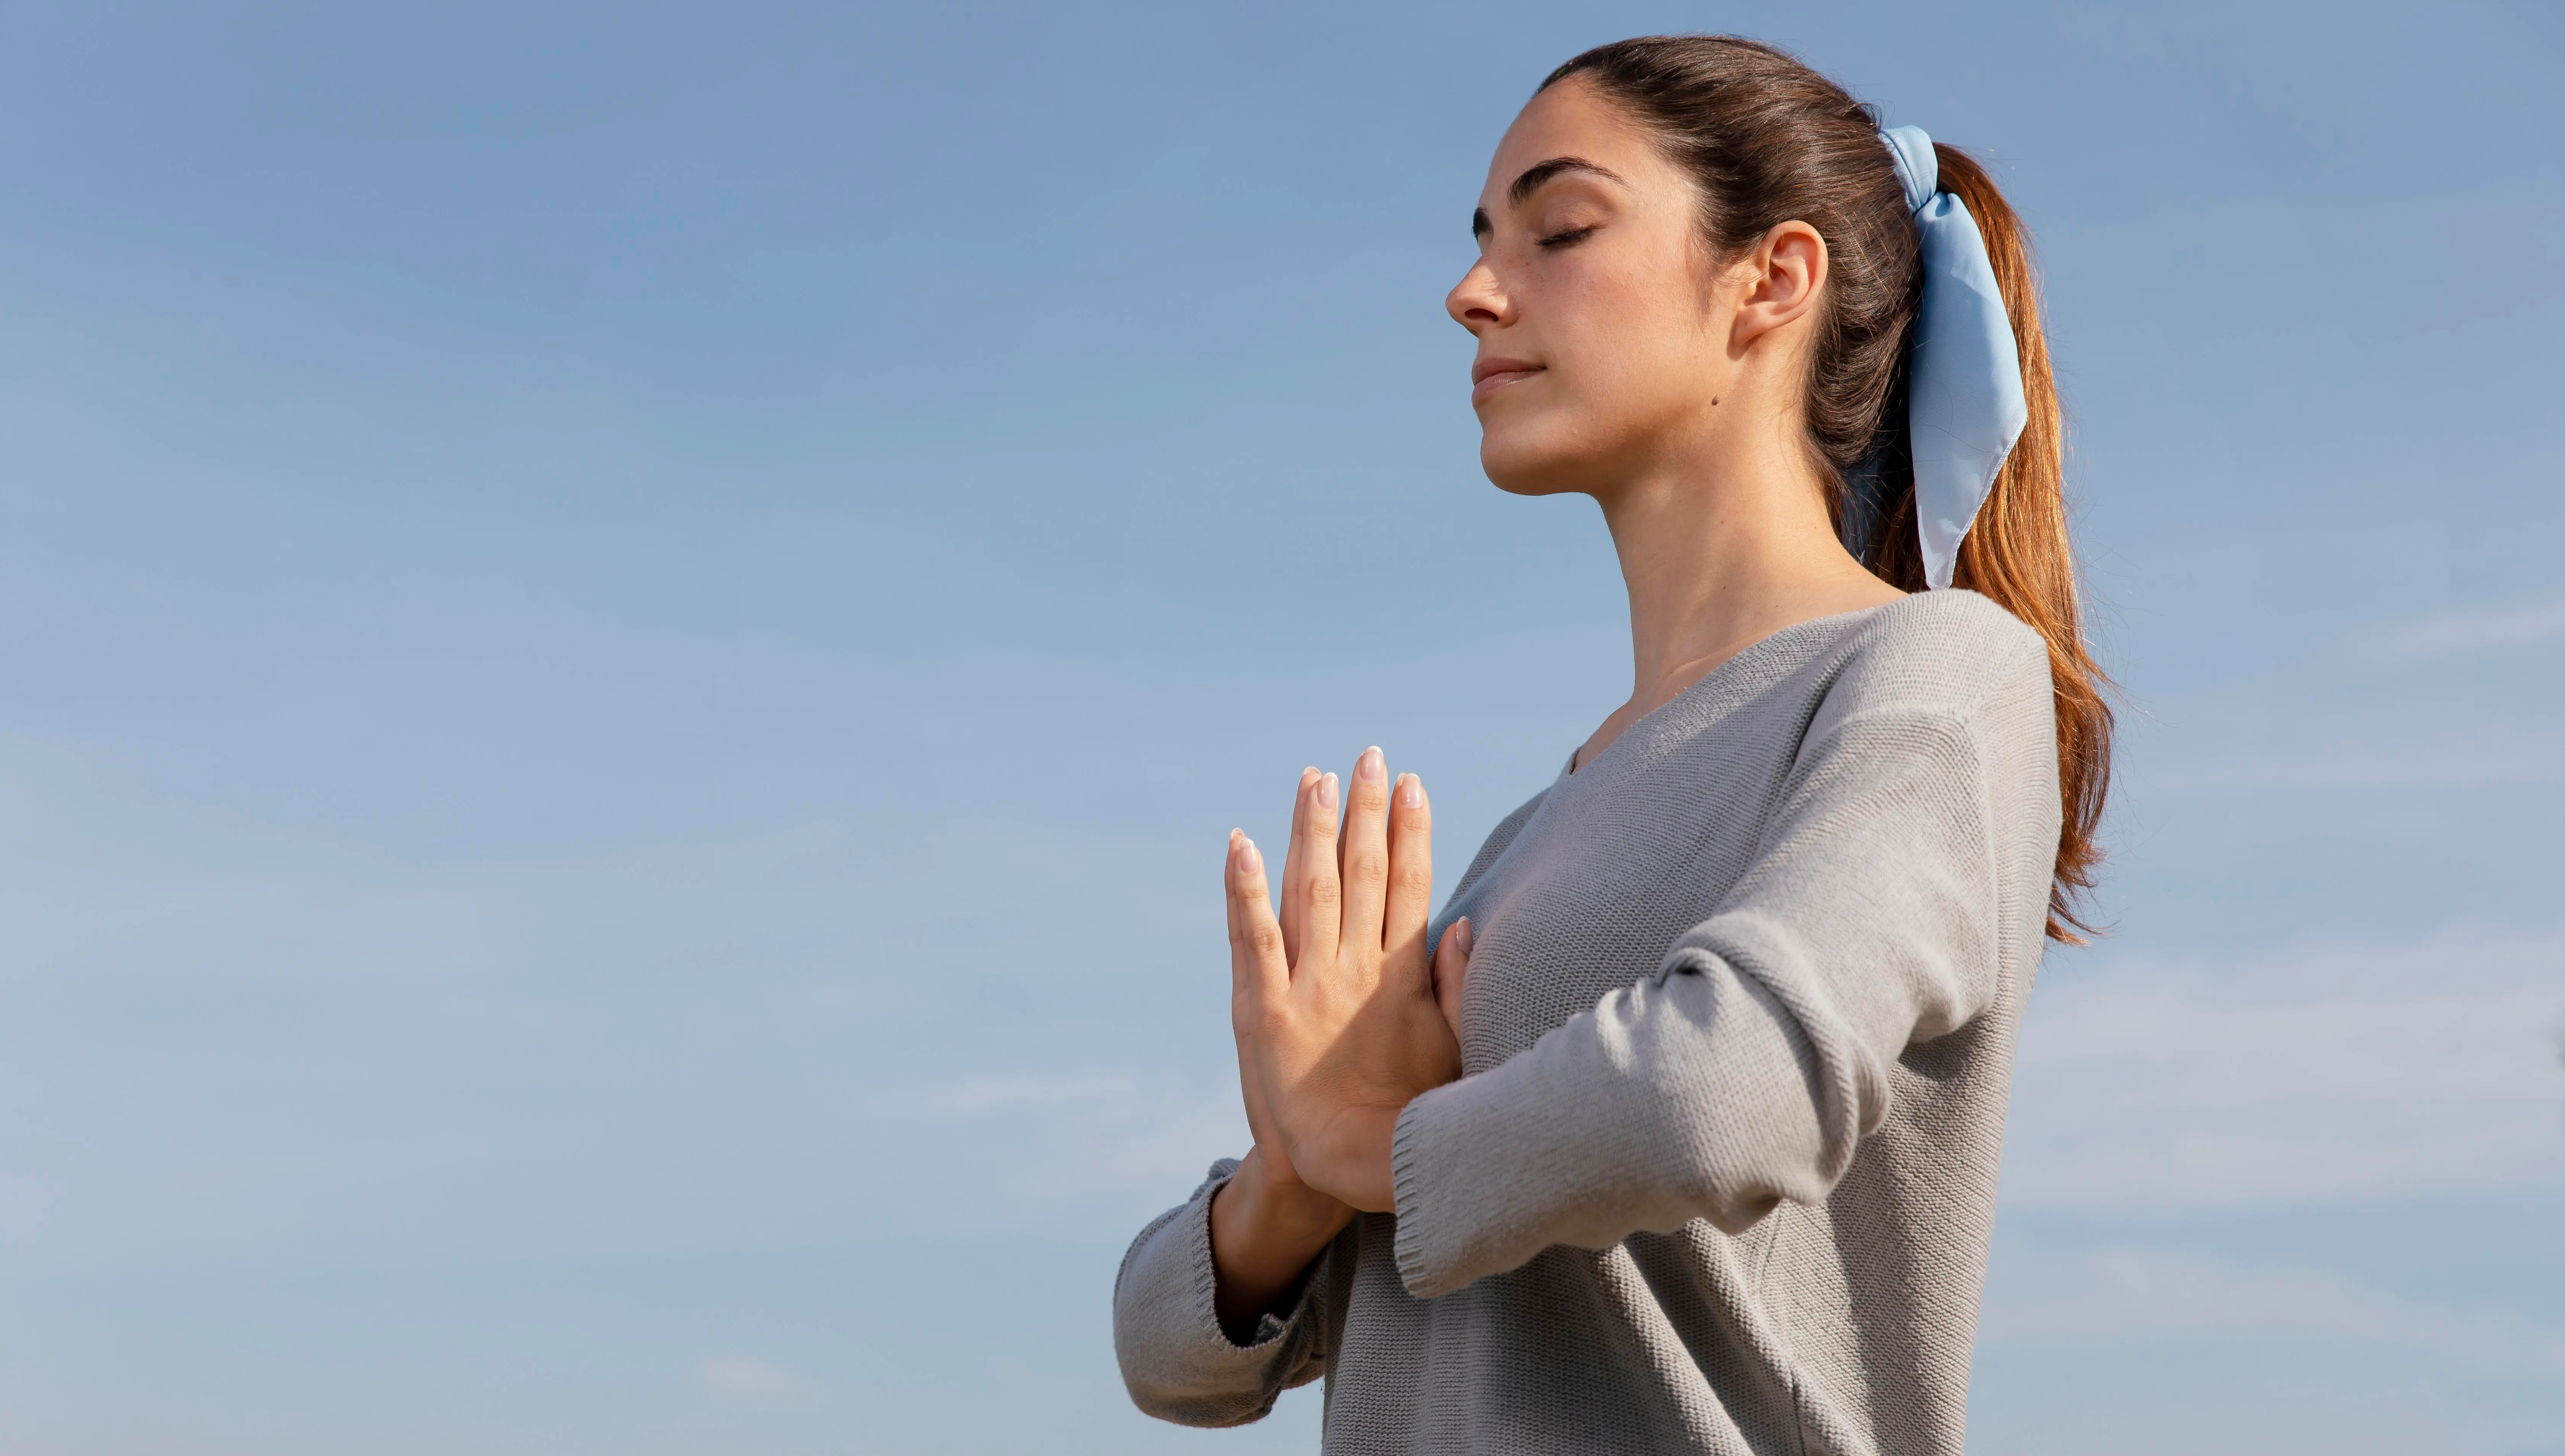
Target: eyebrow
(1532, 180)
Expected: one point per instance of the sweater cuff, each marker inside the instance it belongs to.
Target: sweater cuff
(1176, 1362)
(1270, 1325)
(1431, 1233)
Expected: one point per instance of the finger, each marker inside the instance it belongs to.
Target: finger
(1321, 891)
(1240, 973)
(1255, 955)
(1452, 969)
(1295, 867)
(1250, 1082)
(1366, 849)
(1411, 880)
(1247, 1000)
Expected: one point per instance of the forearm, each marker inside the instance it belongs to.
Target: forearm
(1692, 1097)
(1265, 1233)
(1177, 1360)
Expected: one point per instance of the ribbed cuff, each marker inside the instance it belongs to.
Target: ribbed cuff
(1269, 1325)
(1415, 1209)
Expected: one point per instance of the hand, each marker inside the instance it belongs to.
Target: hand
(1338, 1018)
(1451, 954)
(1276, 1179)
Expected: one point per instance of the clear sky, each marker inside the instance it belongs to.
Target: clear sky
(628, 636)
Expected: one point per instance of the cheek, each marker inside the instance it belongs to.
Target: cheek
(1631, 353)
(1623, 375)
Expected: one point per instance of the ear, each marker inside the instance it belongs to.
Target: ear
(1782, 276)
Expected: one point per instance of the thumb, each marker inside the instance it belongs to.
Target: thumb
(1451, 968)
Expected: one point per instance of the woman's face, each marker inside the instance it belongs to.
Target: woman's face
(1603, 322)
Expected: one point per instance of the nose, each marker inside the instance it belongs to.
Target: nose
(1477, 301)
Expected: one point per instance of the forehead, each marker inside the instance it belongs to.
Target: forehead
(1572, 119)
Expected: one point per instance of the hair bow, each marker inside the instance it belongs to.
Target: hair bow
(1964, 399)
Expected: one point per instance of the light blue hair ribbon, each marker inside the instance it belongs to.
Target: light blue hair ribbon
(1964, 401)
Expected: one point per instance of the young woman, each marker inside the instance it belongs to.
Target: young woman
(1678, 1130)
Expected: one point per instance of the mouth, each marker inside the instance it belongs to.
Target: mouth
(1490, 376)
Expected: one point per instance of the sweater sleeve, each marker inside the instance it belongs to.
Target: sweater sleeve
(1900, 865)
(1178, 1363)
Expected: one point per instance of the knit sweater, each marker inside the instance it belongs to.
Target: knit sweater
(1720, 1171)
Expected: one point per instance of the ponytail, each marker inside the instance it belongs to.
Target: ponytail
(2017, 552)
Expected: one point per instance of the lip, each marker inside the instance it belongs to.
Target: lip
(1490, 376)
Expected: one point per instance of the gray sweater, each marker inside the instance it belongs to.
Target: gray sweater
(1720, 1171)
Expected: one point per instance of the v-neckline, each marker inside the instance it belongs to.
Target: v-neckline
(1701, 682)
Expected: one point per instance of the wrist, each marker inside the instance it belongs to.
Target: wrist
(1369, 1184)
(1348, 1156)
(1265, 1230)
(1268, 1205)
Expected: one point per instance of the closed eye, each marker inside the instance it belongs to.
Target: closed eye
(1571, 238)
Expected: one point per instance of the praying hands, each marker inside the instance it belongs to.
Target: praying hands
(1340, 1021)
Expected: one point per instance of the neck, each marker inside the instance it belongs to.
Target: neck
(1718, 552)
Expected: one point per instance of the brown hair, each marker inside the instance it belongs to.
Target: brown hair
(1770, 141)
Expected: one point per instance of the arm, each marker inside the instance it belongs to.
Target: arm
(1181, 1359)
(1265, 1228)
(1223, 1302)
(1266, 1223)
(1746, 1066)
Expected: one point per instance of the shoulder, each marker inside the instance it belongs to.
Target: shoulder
(1941, 681)
(1949, 659)
(1951, 650)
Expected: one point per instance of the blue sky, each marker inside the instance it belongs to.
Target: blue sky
(629, 636)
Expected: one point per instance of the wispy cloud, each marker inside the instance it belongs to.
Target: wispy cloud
(2483, 758)
(2140, 1294)
(974, 1098)
(2480, 631)
(1079, 1135)
(2324, 1073)
(741, 1380)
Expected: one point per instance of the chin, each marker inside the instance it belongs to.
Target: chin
(1538, 458)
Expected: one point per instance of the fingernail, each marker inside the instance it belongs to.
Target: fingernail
(1371, 768)
(1248, 859)
(1411, 791)
(1460, 928)
(1327, 792)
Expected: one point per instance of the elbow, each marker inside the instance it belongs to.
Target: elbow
(1184, 1405)
(1180, 1369)
(1165, 1385)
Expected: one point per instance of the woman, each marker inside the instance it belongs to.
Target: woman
(1683, 1134)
